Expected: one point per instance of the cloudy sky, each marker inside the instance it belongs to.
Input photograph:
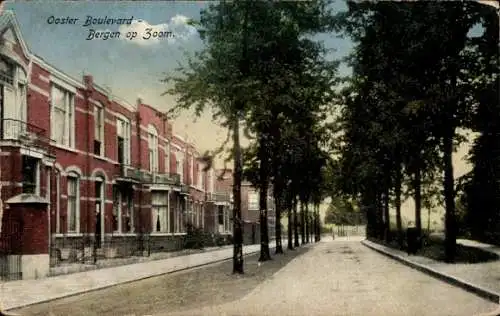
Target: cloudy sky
(131, 68)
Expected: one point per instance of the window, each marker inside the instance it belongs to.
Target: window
(167, 158)
(153, 148)
(58, 200)
(160, 211)
(116, 209)
(211, 181)
(99, 194)
(73, 206)
(180, 165)
(123, 140)
(62, 122)
(221, 214)
(99, 130)
(200, 176)
(31, 175)
(6, 72)
(21, 103)
(123, 210)
(253, 201)
(191, 167)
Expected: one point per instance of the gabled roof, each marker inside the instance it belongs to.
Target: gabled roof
(8, 21)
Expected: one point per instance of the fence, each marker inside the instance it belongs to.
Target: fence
(10, 246)
(349, 230)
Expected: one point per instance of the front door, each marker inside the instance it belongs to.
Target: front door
(99, 205)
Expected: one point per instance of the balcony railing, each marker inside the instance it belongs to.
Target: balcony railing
(28, 134)
(131, 173)
(184, 188)
(167, 178)
(218, 197)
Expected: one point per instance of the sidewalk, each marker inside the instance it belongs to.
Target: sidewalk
(482, 279)
(17, 294)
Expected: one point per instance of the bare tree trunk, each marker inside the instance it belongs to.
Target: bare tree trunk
(449, 197)
(417, 187)
(264, 191)
(277, 199)
(295, 223)
(290, 227)
(237, 223)
(397, 192)
(302, 223)
(307, 221)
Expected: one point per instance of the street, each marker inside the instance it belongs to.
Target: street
(345, 278)
(340, 277)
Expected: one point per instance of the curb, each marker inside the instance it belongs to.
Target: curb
(475, 289)
(6, 312)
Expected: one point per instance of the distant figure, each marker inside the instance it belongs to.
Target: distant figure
(333, 234)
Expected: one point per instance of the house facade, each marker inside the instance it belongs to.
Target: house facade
(84, 174)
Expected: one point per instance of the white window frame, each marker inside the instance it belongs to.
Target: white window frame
(37, 173)
(211, 184)
(191, 171)
(76, 178)
(126, 132)
(162, 210)
(118, 200)
(101, 121)
(153, 148)
(167, 157)
(69, 117)
(253, 200)
(58, 201)
(102, 199)
(200, 176)
(179, 156)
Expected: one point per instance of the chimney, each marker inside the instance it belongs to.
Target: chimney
(88, 80)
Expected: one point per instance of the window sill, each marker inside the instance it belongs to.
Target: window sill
(64, 147)
(72, 235)
(167, 234)
(121, 234)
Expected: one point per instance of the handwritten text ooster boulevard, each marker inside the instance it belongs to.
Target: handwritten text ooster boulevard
(92, 34)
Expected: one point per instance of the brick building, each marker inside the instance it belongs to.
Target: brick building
(84, 173)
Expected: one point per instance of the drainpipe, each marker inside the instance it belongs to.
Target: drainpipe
(88, 80)
(141, 186)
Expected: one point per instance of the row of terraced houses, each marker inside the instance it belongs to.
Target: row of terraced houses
(85, 174)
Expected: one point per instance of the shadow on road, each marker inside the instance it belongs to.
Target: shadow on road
(209, 285)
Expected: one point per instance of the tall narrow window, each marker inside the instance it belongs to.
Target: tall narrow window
(200, 176)
(153, 148)
(31, 175)
(99, 130)
(123, 140)
(253, 201)
(22, 105)
(180, 165)
(99, 207)
(191, 168)
(116, 209)
(58, 201)
(160, 211)
(167, 158)
(73, 205)
(62, 125)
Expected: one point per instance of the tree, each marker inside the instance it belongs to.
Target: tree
(216, 77)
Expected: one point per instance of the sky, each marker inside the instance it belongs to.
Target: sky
(130, 68)
(134, 68)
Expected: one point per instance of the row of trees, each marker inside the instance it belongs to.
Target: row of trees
(422, 73)
(261, 73)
